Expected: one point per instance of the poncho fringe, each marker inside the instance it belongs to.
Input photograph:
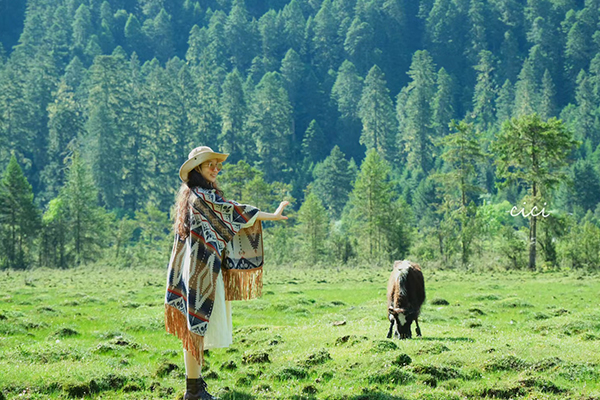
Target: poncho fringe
(176, 324)
(242, 284)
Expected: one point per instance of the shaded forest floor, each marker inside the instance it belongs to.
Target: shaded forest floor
(99, 333)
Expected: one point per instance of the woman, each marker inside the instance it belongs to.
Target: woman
(217, 257)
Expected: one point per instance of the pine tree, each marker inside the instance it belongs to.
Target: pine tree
(443, 103)
(586, 185)
(86, 220)
(293, 26)
(314, 143)
(485, 92)
(415, 112)
(82, 29)
(533, 152)
(241, 37)
(526, 91)
(333, 181)
(19, 218)
(233, 111)
(313, 227)
(325, 46)
(270, 124)
(370, 201)
(547, 97)
(376, 112)
(462, 153)
(65, 123)
(346, 93)
(504, 102)
(360, 44)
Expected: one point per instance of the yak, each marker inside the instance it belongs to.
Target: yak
(405, 295)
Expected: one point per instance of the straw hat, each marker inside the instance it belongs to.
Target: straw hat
(196, 157)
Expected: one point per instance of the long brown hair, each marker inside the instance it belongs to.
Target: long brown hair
(181, 224)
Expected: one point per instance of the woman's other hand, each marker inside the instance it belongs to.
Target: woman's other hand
(280, 209)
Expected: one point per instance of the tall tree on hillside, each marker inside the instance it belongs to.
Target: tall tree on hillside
(346, 93)
(240, 35)
(333, 181)
(547, 97)
(587, 116)
(586, 185)
(533, 153)
(360, 44)
(462, 153)
(415, 112)
(270, 124)
(325, 46)
(109, 125)
(485, 92)
(504, 102)
(313, 226)
(526, 91)
(65, 123)
(82, 29)
(376, 112)
(86, 220)
(294, 24)
(443, 103)
(19, 218)
(233, 111)
(370, 200)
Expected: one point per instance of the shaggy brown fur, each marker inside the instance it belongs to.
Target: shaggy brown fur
(405, 295)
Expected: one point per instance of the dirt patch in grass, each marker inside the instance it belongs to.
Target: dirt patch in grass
(439, 302)
(547, 363)
(229, 365)
(514, 302)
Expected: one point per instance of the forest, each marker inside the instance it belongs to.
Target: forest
(456, 133)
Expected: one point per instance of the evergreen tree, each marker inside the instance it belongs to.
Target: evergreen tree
(586, 185)
(443, 103)
(376, 112)
(526, 91)
(547, 97)
(485, 92)
(586, 121)
(314, 143)
(19, 218)
(87, 221)
(325, 44)
(462, 153)
(360, 44)
(346, 93)
(504, 102)
(293, 26)
(333, 181)
(533, 152)
(53, 246)
(65, 123)
(313, 227)
(240, 35)
(370, 201)
(233, 111)
(270, 124)
(415, 112)
(82, 29)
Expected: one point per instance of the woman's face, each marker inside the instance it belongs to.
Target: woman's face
(210, 169)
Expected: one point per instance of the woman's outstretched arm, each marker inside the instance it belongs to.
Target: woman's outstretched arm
(265, 216)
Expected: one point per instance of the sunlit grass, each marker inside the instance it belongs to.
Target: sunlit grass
(319, 333)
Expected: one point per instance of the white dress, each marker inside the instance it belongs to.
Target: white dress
(219, 332)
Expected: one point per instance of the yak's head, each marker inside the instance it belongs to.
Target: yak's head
(400, 322)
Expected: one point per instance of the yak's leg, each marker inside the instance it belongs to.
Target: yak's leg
(389, 335)
(418, 330)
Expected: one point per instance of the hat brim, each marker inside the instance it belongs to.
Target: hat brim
(193, 162)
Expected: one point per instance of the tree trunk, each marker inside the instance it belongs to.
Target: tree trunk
(532, 234)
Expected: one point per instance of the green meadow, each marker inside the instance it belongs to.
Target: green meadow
(98, 332)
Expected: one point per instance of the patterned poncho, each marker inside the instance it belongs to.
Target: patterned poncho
(218, 241)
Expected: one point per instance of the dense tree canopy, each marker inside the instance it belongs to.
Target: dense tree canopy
(297, 92)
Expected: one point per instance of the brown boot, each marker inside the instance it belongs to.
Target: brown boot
(196, 390)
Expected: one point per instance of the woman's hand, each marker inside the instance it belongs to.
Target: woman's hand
(264, 216)
(280, 209)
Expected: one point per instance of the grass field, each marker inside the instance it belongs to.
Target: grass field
(99, 333)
